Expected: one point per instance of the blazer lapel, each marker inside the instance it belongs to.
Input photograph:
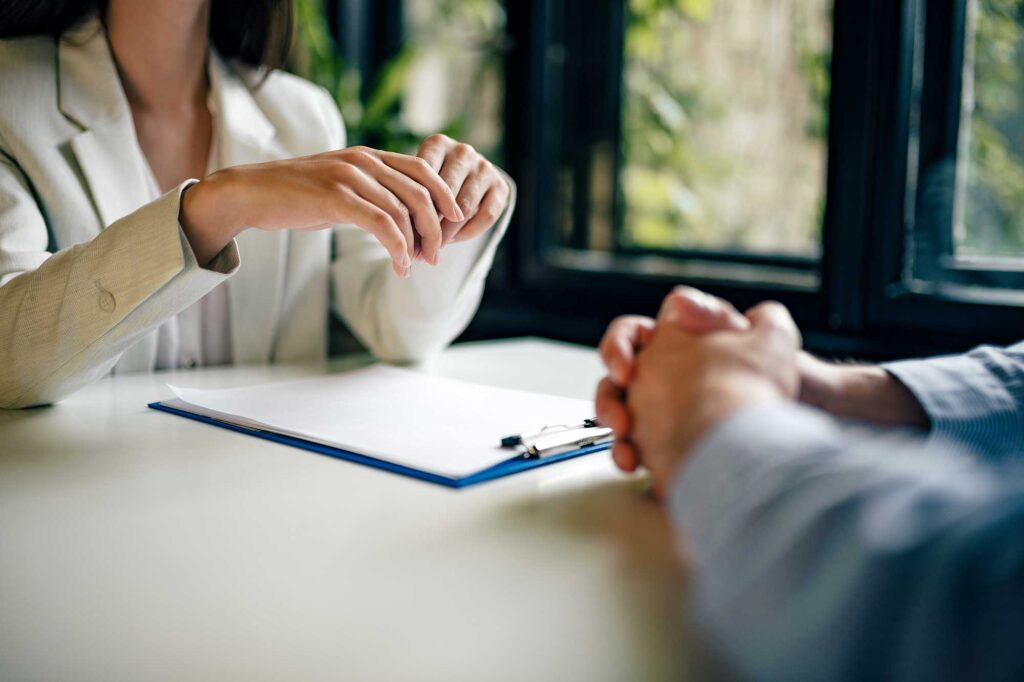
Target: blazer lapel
(245, 135)
(106, 150)
(112, 163)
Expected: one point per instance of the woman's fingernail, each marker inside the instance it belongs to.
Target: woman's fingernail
(407, 273)
(406, 262)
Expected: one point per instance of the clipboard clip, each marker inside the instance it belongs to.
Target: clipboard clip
(553, 440)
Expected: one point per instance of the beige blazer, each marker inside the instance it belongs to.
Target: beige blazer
(89, 270)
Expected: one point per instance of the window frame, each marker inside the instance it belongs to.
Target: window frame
(899, 300)
(856, 304)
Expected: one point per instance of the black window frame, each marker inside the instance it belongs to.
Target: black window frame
(942, 301)
(857, 302)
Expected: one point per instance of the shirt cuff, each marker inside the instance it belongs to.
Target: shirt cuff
(222, 266)
(965, 402)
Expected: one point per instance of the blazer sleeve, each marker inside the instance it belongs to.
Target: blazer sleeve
(66, 317)
(407, 320)
(826, 551)
(976, 398)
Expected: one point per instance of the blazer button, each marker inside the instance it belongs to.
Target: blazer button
(106, 301)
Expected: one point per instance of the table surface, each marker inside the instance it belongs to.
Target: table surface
(136, 545)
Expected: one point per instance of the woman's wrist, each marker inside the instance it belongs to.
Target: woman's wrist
(207, 218)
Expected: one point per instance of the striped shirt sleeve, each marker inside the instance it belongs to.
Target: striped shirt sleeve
(825, 550)
(976, 399)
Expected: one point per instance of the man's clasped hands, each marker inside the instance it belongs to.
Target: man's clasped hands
(671, 380)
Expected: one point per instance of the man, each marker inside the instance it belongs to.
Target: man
(843, 522)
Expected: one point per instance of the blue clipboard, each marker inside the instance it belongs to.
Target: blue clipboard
(511, 466)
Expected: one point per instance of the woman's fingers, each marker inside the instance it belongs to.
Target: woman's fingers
(475, 186)
(481, 179)
(487, 213)
(379, 223)
(417, 199)
(422, 172)
(370, 189)
(458, 164)
(434, 149)
(481, 192)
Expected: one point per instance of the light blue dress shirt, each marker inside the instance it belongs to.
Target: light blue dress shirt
(828, 550)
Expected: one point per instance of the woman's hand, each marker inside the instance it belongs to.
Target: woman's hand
(392, 196)
(481, 191)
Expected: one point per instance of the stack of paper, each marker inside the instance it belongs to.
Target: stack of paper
(442, 426)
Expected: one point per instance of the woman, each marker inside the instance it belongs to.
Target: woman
(113, 258)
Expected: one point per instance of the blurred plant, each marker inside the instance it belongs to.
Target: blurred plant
(681, 187)
(377, 117)
(660, 104)
(994, 209)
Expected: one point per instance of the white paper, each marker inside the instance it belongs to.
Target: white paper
(442, 426)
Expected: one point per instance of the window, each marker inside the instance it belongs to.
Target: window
(990, 223)
(968, 227)
(454, 80)
(725, 116)
(403, 69)
(860, 160)
(950, 246)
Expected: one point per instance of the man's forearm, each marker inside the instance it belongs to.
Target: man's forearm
(863, 392)
(821, 548)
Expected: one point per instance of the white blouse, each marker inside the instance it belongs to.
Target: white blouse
(200, 335)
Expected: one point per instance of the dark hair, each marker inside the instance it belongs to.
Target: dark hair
(256, 32)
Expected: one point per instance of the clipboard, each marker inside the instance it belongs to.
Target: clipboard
(507, 455)
(515, 464)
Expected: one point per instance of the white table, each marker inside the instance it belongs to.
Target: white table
(136, 545)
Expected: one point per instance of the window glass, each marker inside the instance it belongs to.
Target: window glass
(991, 173)
(454, 79)
(724, 125)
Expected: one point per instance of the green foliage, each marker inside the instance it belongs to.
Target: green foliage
(994, 208)
(659, 107)
(377, 116)
(675, 180)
